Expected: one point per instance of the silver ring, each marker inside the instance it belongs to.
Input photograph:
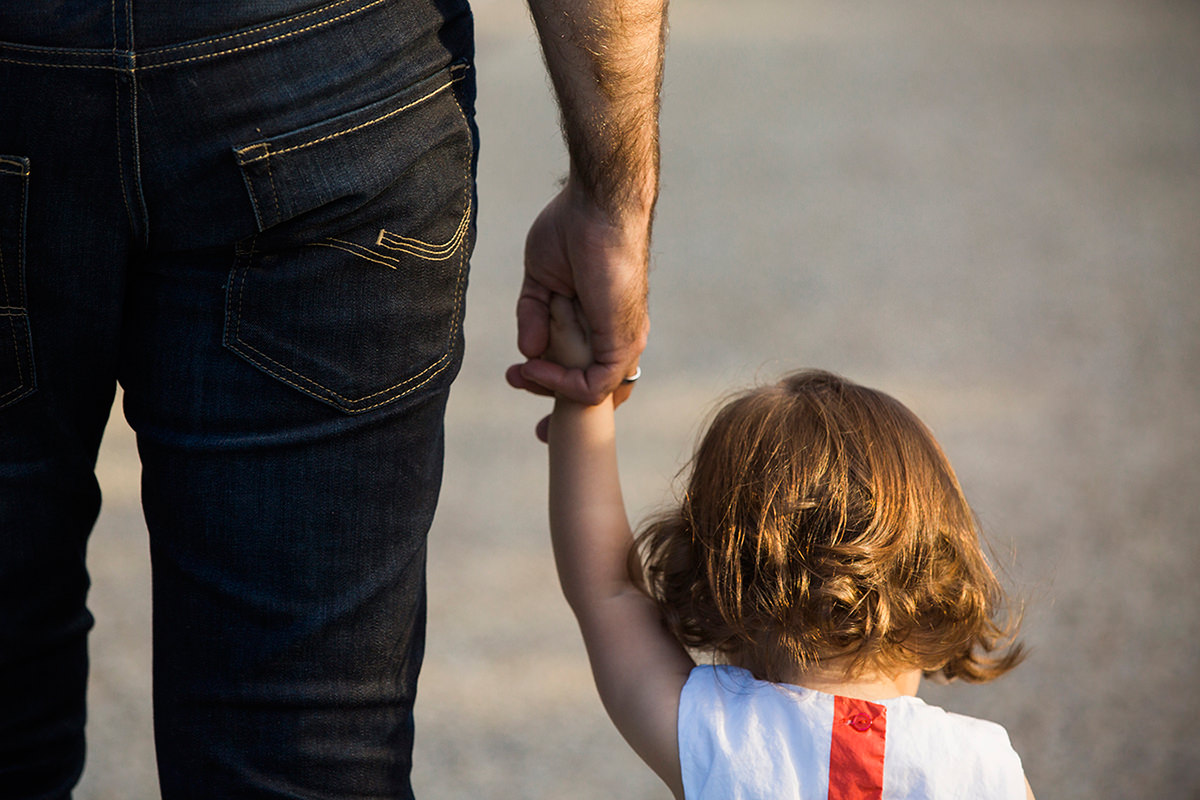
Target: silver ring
(637, 373)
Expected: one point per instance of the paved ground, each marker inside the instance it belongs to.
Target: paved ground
(990, 209)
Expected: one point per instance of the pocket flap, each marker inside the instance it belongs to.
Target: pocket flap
(350, 157)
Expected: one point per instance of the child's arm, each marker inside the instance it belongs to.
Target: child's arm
(638, 666)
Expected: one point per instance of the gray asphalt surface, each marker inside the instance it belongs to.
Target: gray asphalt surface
(991, 210)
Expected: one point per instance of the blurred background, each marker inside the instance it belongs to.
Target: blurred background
(988, 209)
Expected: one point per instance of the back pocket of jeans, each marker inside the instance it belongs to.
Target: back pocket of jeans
(352, 291)
(16, 355)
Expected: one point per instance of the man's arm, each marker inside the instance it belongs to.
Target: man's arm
(592, 240)
(605, 59)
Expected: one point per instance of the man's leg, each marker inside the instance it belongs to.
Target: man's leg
(64, 241)
(289, 344)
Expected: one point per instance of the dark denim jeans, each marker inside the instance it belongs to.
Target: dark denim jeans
(257, 217)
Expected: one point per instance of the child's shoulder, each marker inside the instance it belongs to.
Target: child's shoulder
(954, 731)
(962, 755)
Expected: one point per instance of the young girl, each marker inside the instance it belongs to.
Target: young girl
(823, 558)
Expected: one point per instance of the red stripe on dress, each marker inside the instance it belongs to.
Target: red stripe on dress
(856, 752)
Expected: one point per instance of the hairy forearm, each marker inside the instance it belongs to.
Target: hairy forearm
(588, 526)
(605, 59)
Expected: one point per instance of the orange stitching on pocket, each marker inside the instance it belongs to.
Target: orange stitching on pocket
(360, 126)
(403, 244)
(358, 250)
(409, 384)
(437, 366)
(426, 250)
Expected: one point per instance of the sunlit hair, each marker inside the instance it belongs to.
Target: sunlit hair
(820, 522)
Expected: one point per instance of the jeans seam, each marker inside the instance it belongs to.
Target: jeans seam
(274, 191)
(437, 366)
(250, 31)
(4, 397)
(120, 154)
(268, 152)
(12, 328)
(58, 65)
(20, 387)
(135, 138)
(254, 202)
(12, 312)
(41, 48)
(156, 51)
(4, 284)
(256, 44)
(117, 103)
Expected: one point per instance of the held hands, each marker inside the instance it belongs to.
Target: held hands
(570, 342)
(576, 250)
(570, 347)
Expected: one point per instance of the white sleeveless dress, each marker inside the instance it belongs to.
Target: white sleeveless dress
(745, 739)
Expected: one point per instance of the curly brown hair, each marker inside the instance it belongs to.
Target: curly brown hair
(822, 523)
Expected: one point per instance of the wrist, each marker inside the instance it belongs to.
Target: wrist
(565, 406)
(630, 209)
(573, 424)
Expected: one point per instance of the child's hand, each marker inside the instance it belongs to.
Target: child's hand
(570, 346)
(570, 343)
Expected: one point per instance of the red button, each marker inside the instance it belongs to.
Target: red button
(861, 722)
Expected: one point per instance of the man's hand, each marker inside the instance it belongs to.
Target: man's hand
(575, 250)
(592, 241)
